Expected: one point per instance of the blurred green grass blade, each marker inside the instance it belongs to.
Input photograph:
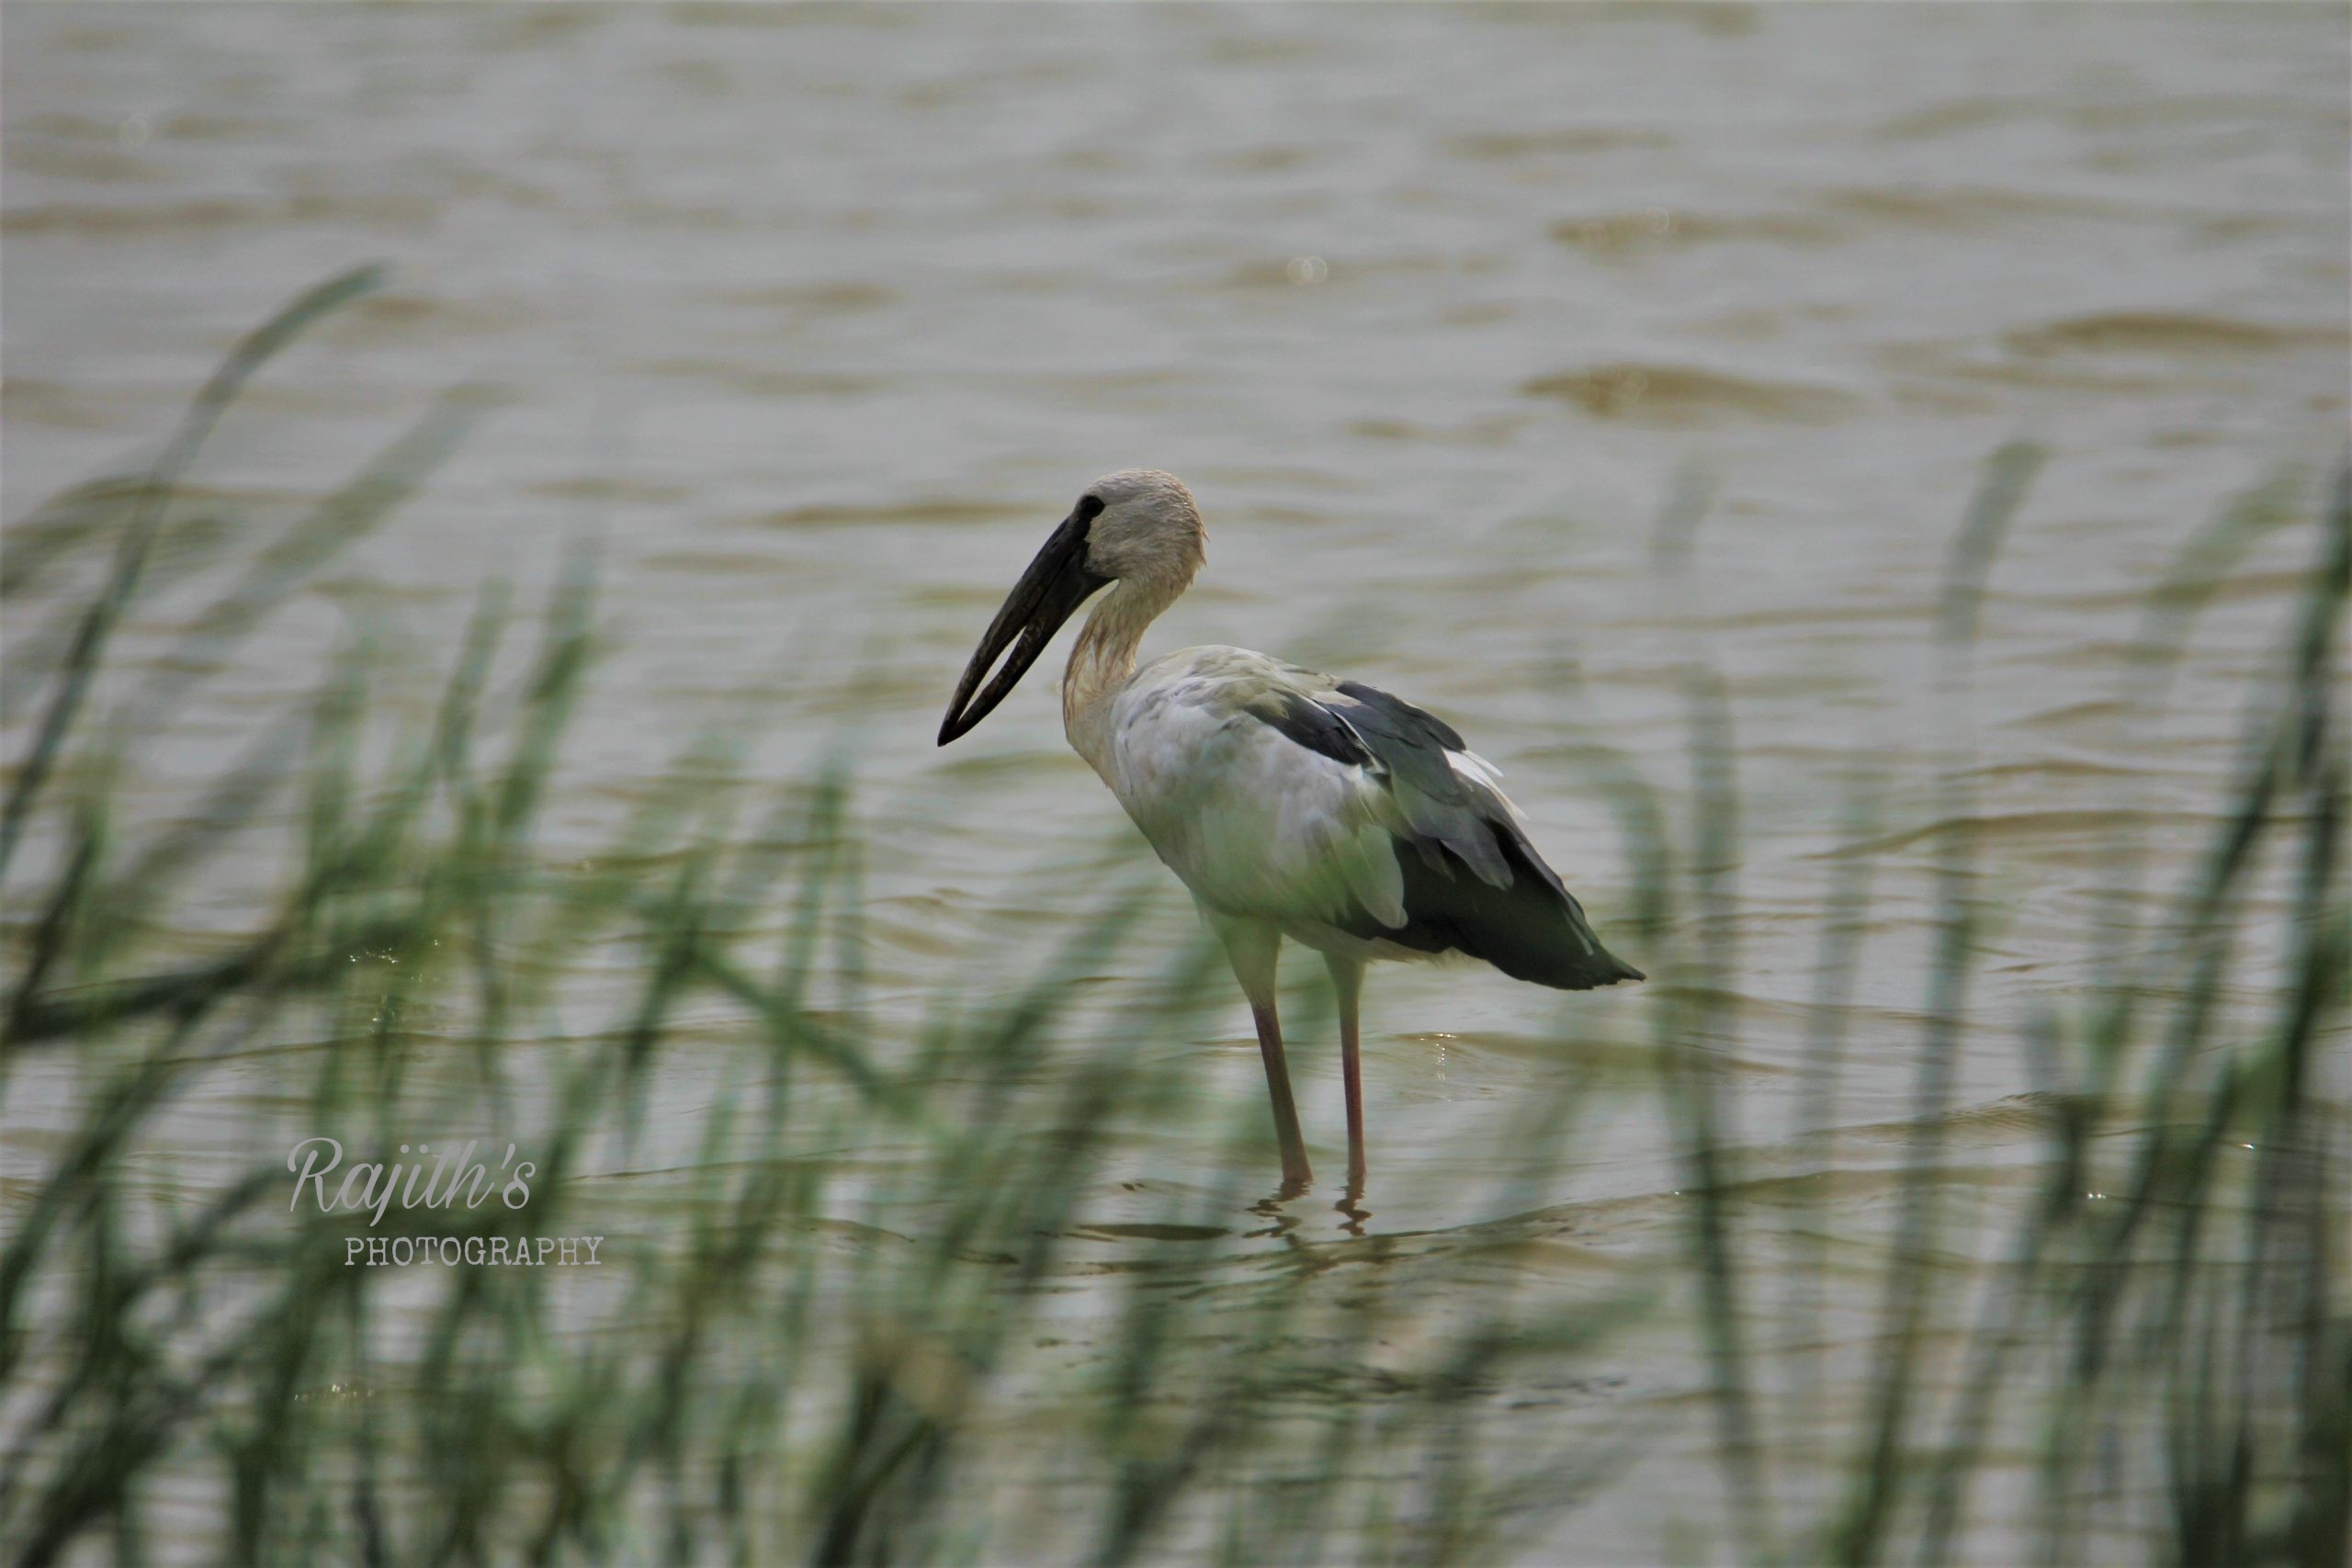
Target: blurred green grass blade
(138, 534)
(338, 522)
(1968, 563)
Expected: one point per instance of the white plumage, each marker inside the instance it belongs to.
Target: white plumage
(1291, 803)
(1254, 823)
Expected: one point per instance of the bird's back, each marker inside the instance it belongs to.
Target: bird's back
(1354, 820)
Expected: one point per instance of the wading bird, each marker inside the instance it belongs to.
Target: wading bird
(1291, 803)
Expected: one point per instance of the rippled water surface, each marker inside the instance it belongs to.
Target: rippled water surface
(815, 321)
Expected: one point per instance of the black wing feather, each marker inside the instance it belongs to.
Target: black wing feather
(1313, 725)
(1533, 930)
(1476, 885)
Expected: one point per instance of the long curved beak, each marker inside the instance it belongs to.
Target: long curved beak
(1056, 584)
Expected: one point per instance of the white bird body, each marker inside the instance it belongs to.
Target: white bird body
(1256, 824)
(1292, 804)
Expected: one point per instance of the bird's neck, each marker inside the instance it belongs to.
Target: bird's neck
(1100, 663)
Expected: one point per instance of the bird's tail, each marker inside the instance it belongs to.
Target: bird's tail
(1577, 964)
(1533, 930)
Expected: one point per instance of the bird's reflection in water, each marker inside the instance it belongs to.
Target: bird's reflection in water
(1351, 1205)
(1275, 1208)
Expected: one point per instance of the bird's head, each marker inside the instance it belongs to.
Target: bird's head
(1146, 531)
(1137, 527)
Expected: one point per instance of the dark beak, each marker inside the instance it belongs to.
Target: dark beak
(1056, 584)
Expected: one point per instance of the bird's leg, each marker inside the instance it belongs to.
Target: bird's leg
(1347, 981)
(1295, 1176)
(1252, 949)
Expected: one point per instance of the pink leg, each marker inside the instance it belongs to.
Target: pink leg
(1270, 1045)
(1347, 980)
(1254, 948)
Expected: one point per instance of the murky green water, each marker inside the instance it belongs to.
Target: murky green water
(816, 322)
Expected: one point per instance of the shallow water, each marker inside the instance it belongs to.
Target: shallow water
(816, 322)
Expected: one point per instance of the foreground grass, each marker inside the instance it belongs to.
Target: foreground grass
(852, 1328)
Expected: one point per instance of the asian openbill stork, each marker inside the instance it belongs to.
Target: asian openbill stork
(1291, 803)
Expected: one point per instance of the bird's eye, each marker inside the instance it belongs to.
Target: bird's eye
(1089, 507)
